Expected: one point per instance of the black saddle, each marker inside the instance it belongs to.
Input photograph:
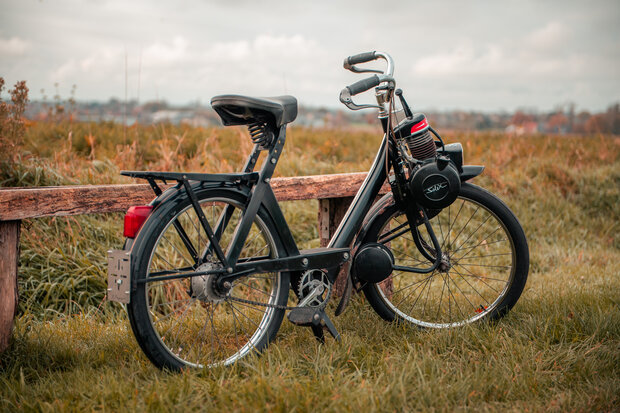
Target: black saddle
(244, 110)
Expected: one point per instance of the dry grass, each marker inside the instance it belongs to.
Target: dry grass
(558, 350)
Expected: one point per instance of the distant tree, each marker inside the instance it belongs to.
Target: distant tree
(597, 124)
(519, 118)
(613, 119)
(558, 123)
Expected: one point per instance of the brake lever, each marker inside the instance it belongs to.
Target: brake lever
(345, 98)
(356, 69)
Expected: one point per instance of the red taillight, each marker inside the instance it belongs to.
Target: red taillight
(134, 218)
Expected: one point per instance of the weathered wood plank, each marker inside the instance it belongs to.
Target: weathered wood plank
(70, 200)
(9, 255)
(21, 203)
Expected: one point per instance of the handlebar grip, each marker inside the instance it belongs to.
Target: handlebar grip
(363, 85)
(359, 58)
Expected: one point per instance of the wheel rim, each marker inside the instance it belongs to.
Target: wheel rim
(200, 331)
(478, 267)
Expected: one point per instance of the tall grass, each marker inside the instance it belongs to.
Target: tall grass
(557, 350)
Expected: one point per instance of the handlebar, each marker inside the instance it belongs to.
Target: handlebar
(363, 85)
(368, 83)
(350, 61)
(358, 58)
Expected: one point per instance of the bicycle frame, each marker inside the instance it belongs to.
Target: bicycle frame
(261, 193)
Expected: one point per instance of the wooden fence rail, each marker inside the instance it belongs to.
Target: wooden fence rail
(334, 193)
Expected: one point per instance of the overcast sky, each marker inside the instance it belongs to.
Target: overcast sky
(491, 55)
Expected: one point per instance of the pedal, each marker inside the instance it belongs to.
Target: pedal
(315, 318)
(303, 316)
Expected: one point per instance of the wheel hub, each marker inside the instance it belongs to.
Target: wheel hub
(204, 286)
(445, 264)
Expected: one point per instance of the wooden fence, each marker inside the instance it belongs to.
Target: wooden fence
(334, 192)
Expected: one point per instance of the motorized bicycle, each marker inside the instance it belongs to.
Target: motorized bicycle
(208, 265)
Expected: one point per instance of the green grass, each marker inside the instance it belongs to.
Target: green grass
(558, 353)
(557, 350)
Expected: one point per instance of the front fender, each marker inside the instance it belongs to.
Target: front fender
(376, 211)
(470, 171)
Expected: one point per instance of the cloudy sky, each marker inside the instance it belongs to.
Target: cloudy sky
(491, 55)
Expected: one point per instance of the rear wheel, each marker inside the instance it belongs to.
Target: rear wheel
(187, 321)
(483, 271)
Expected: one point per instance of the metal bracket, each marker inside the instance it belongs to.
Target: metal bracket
(119, 265)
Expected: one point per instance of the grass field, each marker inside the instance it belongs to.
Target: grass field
(558, 350)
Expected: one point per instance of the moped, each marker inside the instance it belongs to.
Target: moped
(208, 265)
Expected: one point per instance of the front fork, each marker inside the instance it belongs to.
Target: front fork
(414, 212)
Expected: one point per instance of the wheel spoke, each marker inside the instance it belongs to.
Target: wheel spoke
(476, 230)
(465, 226)
(455, 218)
(463, 293)
(458, 307)
(484, 256)
(487, 266)
(253, 288)
(427, 281)
(477, 245)
(482, 279)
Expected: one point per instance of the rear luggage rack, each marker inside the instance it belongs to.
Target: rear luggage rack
(182, 178)
(247, 177)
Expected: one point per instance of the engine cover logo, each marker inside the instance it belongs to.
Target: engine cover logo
(436, 187)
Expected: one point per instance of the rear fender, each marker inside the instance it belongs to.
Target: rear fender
(176, 194)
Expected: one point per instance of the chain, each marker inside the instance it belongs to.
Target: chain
(257, 303)
(276, 306)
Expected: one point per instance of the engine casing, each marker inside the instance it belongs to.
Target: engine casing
(435, 184)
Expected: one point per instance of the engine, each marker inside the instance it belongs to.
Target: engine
(434, 179)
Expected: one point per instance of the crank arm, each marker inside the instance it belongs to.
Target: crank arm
(313, 294)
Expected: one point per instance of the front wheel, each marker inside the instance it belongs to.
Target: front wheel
(187, 321)
(484, 267)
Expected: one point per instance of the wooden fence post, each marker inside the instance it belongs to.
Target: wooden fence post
(9, 256)
(331, 212)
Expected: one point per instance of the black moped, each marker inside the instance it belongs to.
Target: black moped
(208, 265)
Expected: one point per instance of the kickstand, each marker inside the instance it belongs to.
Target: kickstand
(315, 318)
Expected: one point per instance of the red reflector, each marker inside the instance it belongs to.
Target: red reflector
(134, 218)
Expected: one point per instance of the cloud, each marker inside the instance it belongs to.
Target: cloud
(105, 63)
(535, 54)
(465, 59)
(548, 38)
(14, 46)
(178, 67)
(165, 53)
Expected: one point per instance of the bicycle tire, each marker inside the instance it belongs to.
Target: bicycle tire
(488, 260)
(178, 323)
